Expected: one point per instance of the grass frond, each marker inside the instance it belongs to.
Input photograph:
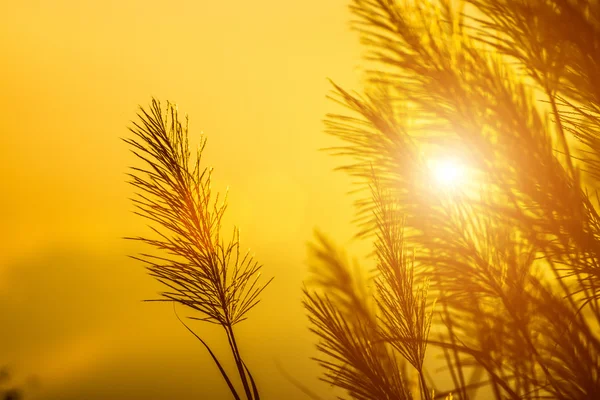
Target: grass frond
(355, 358)
(199, 268)
(511, 257)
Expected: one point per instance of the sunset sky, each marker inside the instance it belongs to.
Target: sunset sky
(253, 77)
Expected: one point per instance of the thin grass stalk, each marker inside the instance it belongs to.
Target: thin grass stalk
(242, 370)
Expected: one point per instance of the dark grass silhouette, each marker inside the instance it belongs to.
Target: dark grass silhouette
(199, 268)
(511, 258)
(499, 275)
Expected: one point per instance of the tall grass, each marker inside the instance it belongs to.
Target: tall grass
(199, 268)
(499, 276)
(510, 259)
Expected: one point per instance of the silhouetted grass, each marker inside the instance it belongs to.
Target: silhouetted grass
(511, 259)
(499, 275)
(199, 268)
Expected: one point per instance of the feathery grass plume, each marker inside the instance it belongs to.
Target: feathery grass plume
(512, 257)
(200, 269)
(404, 319)
(355, 358)
(369, 337)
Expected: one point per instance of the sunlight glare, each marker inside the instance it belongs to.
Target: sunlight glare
(447, 172)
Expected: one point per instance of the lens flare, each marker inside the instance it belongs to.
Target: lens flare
(447, 173)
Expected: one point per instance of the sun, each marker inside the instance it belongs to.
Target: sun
(447, 173)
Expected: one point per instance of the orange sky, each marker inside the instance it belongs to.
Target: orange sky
(252, 77)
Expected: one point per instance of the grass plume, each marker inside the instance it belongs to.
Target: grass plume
(199, 268)
(511, 258)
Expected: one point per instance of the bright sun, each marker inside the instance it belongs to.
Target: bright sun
(447, 172)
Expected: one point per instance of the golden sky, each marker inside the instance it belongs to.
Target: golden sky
(252, 77)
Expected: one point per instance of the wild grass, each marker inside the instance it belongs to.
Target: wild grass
(199, 268)
(500, 275)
